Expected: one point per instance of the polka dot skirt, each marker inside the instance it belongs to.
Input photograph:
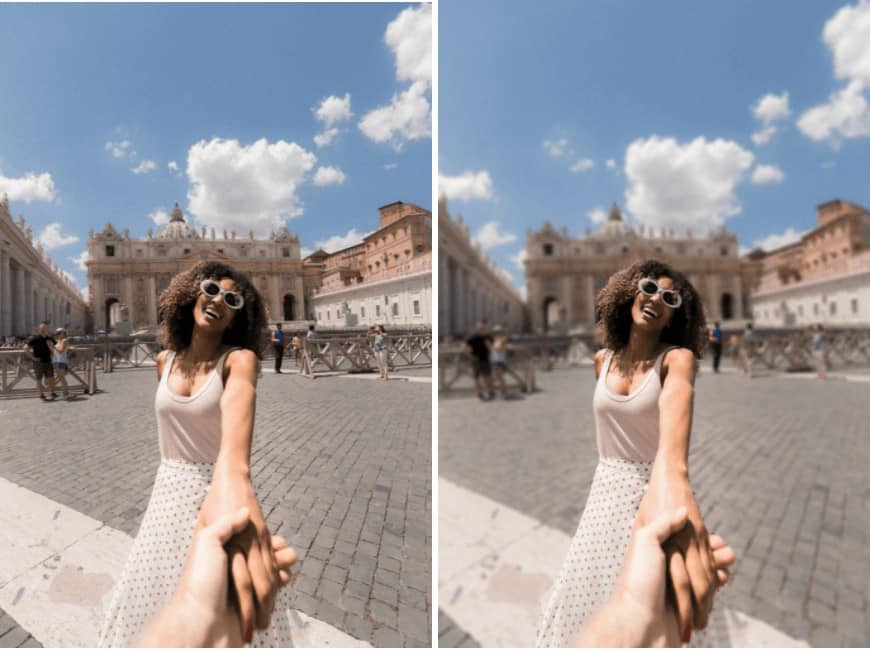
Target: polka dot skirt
(158, 556)
(597, 551)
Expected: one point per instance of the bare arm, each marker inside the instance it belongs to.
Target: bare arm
(599, 361)
(676, 403)
(237, 413)
(161, 360)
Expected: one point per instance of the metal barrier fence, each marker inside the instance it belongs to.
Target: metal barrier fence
(17, 378)
(357, 354)
(455, 364)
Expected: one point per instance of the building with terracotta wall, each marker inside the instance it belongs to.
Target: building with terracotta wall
(823, 278)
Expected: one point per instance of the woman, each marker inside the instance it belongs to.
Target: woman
(380, 345)
(653, 326)
(59, 359)
(213, 325)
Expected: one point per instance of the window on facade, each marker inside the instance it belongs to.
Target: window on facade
(395, 309)
(815, 309)
(833, 307)
(163, 284)
(362, 312)
(243, 252)
(111, 285)
(328, 314)
(110, 251)
(420, 248)
(548, 249)
(854, 305)
(288, 282)
(377, 310)
(319, 316)
(800, 310)
(186, 251)
(506, 307)
(138, 252)
(724, 251)
(262, 253)
(416, 308)
(285, 252)
(220, 250)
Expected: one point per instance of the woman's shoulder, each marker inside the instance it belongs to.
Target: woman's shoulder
(679, 359)
(600, 356)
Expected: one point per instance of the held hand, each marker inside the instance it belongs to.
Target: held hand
(252, 561)
(690, 561)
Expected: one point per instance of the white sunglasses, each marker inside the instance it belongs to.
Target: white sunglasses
(650, 287)
(232, 299)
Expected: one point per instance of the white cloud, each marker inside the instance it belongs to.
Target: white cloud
(333, 110)
(846, 115)
(771, 108)
(684, 185)
(328, 176)
(241, 187)
(81, 260)
(767, 174)
(490, 236)
(145, 167)
(86, 293)
(159, 216)
(406, 118)
(118, 149)
(582, 165)
(742, 250)
(828, 164)
(557, 148)
(611, 163)
(27, 188)
(390, 166)
(325, 137)
(847, 33)
(67, 275)
(172, 166)
(772, 242)
(51, 237)
(519, 259)
(597, 215)
(304, 251)
(764, 135)
(339, 242)
(409, 36)
(467, 186)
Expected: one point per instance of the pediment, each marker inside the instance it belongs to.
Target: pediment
(204, 254)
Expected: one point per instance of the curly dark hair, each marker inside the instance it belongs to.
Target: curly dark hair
(686, 327)
(248, 328)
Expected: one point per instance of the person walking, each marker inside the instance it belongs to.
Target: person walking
(818, 345)
(747, 350)
(381, 354)
(715, 338)
(296, 342)
(213, 326)
(40, 347)
(498, 359)
(652, 322)
(59, 359)
(277, 340)
(478, 346)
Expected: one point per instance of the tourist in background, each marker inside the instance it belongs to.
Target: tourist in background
(277, 340)
(818, 345)
(59, 359)
(381, 354)
(296, 342)
(747, 350)
(498, 358)
(40, 348)
(213, 325)
(478, 346)
(715, 338)
(652, 324)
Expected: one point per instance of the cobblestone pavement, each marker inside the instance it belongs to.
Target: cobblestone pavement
(779, 468)
(342, 470)
(450, 635)
(13, 635)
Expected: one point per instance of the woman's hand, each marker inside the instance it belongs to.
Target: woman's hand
(252, 561)
(690, 560)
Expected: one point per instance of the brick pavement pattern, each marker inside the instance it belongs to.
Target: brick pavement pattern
(342, 469)
(13, 635)
(779, 467)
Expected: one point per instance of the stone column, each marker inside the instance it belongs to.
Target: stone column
(20, 324)
(738, 296)
(28, 302)
(443, 296)
(589, 292)
(5, 298)
(98, 301)
(567, 299)
(151, 301)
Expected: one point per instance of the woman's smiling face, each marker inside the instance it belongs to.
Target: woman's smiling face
(649, 312)
(212, 314)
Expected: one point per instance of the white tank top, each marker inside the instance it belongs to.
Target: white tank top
(627, 426)
(189, 428)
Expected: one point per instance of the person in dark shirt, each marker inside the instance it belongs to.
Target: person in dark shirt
(277, 340)
(40, 347)
(479, 345)
(715, 338)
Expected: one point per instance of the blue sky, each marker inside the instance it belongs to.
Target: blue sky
(100, 100)
(536, 97)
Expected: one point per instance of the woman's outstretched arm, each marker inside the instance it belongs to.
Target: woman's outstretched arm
(252, 563)
(690, 561)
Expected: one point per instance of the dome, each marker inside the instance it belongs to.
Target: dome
(177, 228)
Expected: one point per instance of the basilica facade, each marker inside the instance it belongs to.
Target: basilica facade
(127, 274)
(564, 273)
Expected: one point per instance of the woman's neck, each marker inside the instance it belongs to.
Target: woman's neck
(203, 346)
(641, 345)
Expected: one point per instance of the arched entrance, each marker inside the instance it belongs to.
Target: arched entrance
(112, 312)
(289, 307)
(551, 312)
(727, 306)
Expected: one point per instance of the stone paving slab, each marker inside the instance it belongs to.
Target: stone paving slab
(342, 469)
(779, 468)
